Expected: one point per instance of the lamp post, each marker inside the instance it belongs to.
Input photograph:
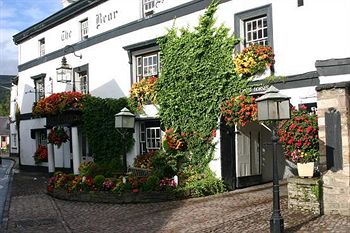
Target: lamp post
(274, 106)
(124, 121)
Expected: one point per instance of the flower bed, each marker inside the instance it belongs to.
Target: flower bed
(116, 198)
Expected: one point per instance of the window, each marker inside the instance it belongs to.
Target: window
(147, 65)
(81, 79)
(256, 31)
(42, 47)
(39, 86)
(148, 7)
(84, 26)
(41, 137)
(150, 136)
(14, 140)
(254, 26)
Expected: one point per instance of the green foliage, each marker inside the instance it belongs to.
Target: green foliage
(152, 183)
(98, 181)
(200, 185)
(197, 75)
(5, 105)
(164, 165)
(98, 122)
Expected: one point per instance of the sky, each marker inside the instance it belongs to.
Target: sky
(15, 16)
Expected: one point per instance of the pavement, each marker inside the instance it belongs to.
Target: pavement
(31, 210)
(5, 178)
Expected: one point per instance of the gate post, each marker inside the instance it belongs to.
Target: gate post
(333, 104)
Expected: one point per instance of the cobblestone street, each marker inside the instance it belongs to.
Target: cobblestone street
(246, 210)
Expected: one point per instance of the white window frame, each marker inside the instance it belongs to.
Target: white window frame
(153, 142)
(255, 31)
(148, 7)
(39, 89)
(241, 19)
(84, 29)
(147, 65)
(41, 138)
(42, 47)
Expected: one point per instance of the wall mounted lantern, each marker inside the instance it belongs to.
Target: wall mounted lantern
(64, 73)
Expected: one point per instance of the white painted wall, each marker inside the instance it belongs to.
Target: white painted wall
(301, 35)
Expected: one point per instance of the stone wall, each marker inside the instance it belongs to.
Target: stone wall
(305, 194)
(336, 182)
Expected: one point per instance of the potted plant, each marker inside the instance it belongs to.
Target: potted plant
(253, 60)
(299, 136)
(41, 154)
(57, 136)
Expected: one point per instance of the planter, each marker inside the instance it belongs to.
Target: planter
(306, 169)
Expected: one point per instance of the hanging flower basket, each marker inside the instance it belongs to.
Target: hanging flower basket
(142, 93)
(239, 110)
(40, 154)
(57, 136)
(253, 60)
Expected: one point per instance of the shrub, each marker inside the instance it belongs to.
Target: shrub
(145, 160)
(199, 185)
(152, 183)
(163, 165)
(98, 181)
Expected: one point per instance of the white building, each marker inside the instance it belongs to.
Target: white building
(114, 38)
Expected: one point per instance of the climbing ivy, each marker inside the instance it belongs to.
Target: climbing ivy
(197, 75)
(98, 123)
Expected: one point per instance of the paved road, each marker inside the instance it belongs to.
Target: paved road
(5, 175)
(246, 210)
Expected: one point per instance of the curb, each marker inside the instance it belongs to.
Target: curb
(5, 217)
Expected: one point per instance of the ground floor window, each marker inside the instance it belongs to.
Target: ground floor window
(150, 136)
(14, 141)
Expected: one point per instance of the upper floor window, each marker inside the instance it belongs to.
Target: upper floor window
(256, 31)
(42, 47)
(81, 80)
(148, 7)
(254, 26)
(147, 65)
(84, 29)
(39, 86)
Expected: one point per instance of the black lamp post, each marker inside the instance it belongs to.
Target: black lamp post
(274, 106)
(124, 121)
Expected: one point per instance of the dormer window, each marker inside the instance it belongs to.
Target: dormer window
(148, 7)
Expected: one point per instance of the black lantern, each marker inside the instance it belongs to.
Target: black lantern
(124, 122)
(274, 106)
(64, 72)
